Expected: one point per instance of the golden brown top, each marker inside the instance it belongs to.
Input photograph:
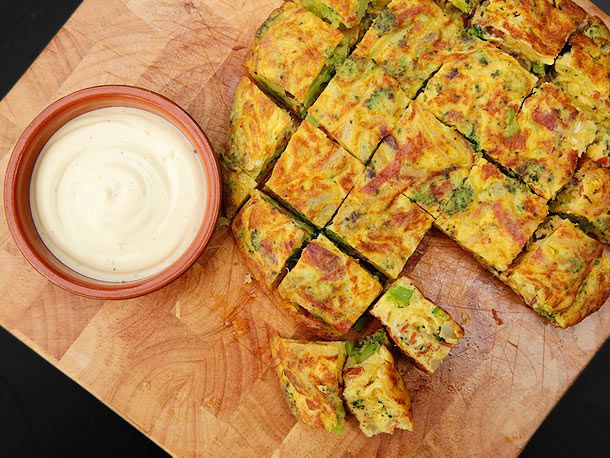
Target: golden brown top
(533, 30)
(492, 215)
(478, 90)
(310, 374)
(291, 49)
(314, 174)
(409, 41)
(267, 236)
(549, 274)
(359, 106)
(330, 285)
(258, 130)
(544, 141)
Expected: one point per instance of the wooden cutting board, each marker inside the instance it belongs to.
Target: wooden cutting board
(189, 365)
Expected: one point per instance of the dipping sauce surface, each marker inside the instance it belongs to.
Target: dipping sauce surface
(118, 194)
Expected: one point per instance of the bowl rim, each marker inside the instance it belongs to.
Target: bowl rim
(69, 279)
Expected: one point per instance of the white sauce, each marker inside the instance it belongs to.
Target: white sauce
(118, 194)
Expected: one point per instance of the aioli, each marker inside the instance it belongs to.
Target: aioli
(118, 194)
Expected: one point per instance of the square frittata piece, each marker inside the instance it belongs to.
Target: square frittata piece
(409, 40)
(236, 187)
(478, 90)
(330, 285)
(386, 237)
(592, 294)
(310, 375)
(586, 199)
(492, 215)
(314, 175)
(544, 143)
(359, 106)
(268, 237)
(434, 159)
(583, 71)
(374, 390)
(549, 274)
(340, 13)
(258, 131)
(533, 31)
(422, 330)
(599, 150)
(295, 53)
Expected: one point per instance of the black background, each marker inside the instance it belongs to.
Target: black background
(43, 412)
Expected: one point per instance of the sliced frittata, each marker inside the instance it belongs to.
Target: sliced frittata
(492, 215)
(267, 237)
(549, 275)
(385, 237)
(586, 199)
(534, 31)
(574, 12)
(582, 72)
(374, 390)
(599, 150)
(295, 53)
(592, 294)
(314, 175)
(409, 40)
(359, 106)
(258, 131)
(330, 285)
(431, 160)
(236, 187)
(310, 375)
(422, 330)
(381, 182)
(544, 143)
(478, 90)
(346, 13)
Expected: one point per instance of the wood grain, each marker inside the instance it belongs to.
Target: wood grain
(189, 364)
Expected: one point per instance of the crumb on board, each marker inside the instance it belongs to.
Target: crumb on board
(464, 318)
(499, 321)
(222, 223)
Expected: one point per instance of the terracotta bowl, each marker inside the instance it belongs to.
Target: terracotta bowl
(19, 174)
